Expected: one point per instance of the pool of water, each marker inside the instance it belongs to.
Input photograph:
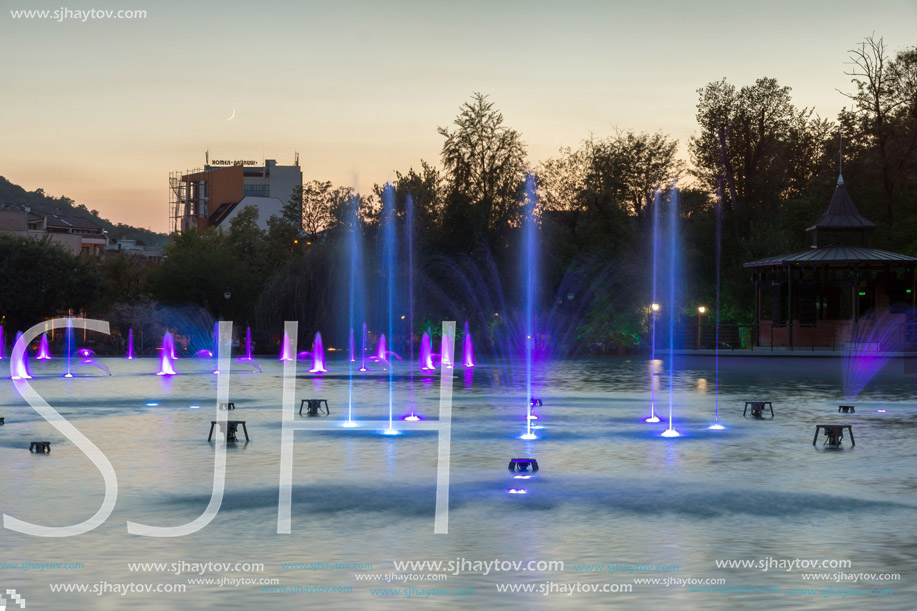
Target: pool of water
(616, 504)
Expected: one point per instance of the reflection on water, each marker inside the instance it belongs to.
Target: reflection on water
(609, 489)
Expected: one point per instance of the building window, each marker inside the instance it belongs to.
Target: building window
(257, 190)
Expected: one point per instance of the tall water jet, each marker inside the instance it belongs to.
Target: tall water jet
(2, 344)
(673, 242)
(363, 350)
(389, 271)
(381, 350)
(318, 355)
(718, 213)
(166, 363)
(409, 214)
(654, 314)
(69, 342)
(444, 357)
(19, 368)
(248, 343)
(285, 352)
(216, 345)
(130, 344)
(44, 354)
(354, 298)
(530, 277)
(467, 348)
(426, 353)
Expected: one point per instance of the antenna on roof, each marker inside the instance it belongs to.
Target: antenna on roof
(207, 157)
(840, 159)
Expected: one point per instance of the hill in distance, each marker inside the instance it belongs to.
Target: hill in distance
(40, 202)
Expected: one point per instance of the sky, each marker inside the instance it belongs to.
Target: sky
(102, 110)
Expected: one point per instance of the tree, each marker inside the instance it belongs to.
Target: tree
(885, 113)
(484, 161)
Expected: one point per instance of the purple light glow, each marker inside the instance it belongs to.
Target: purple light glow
(204, 354)
(353, 356)
(868, 345)
(286, 353)
(85, 352)
(130, 344)
(248, 343)
(44, 354)
(445, 352)
(426, 353)
(167, 358)
(467, 348)
(318, 356)
(20, 366)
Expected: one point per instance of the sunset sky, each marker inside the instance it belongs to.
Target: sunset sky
(101, 111)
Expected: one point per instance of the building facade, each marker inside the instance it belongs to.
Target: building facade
(211, 196)
(76, 235)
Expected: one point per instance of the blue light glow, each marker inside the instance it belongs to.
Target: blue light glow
(151, 404)
(518, 491)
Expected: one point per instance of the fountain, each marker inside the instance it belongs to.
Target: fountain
(445, 358)
(2, 344)
(130, 345)
(19, 368)
(529, 274)
(654, 314)
(44, 354)
(363, 350)
(318, 355)
(69, 336)
(248, 344)
(673, 231)
(285, 352)
(426, 352)
(867, 350)
(718, 213)
(167, 360)
(467, 348)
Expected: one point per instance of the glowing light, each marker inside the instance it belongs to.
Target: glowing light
(467, 348)
(881, 411)
(349, 424)
(44, 354)
(286, 353)
(522, 477)
(391, 432)
(85, 352)
(426, 352)
(194, 406)
(652, 419)
(528, 436)
(318, 356)
(412, 418)
(654, 307)
(518, 491)
(151, 404)
(166, 363)
(701, 309)
(130, 344)
(716, 427)
(671, 433)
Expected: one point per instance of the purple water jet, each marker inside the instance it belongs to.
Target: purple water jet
(167, 359)
(381, 352)
(318, 355)
(445, 352)
(130, 344)
(353, 356)
(85, 352)
(467, 348)
(285, 352)
(363, 350)
(204, 354)
(2, 344)
(248, 343)
(19, 368)
(426, 353)
(44, 354)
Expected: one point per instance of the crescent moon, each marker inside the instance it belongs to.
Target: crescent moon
(232, 116)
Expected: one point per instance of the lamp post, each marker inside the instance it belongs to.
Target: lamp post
(701, 310)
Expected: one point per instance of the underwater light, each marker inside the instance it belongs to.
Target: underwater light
(194, 406)
(652, 419)
(522, 477)
(412, 418)
(671, 433)
(528, 436)
(68, 375)
(517, 491)
(391, 432)
(881, 411)
(151, 404)
(349, 424)
(716, 427)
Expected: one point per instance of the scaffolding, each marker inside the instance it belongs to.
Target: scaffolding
(184, 199)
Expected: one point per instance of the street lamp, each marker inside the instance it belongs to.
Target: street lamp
(701, 310)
